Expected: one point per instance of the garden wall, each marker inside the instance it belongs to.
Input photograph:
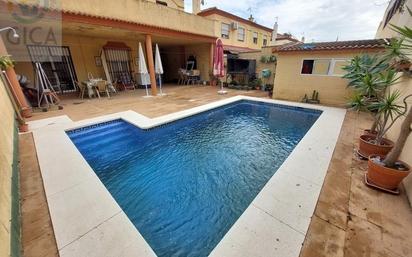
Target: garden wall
(9, 200)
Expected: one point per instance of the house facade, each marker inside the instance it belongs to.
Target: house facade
(86, 28)
(237, 34)
(305, 67)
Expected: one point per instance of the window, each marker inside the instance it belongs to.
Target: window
(307, 67)
(255, 37)
(316, 67)
(329, 67)
(225, 30)
(241, 34)
(338, 67)
(265, 40)
(161, 3)
(57, 64)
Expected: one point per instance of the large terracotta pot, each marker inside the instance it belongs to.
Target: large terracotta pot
(385, 177)
(23, 127)
(366, 148)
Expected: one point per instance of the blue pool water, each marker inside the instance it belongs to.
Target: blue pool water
(184, 184)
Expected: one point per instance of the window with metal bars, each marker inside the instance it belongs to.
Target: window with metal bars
(119, 65)
(57, 64)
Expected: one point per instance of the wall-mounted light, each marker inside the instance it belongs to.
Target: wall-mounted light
(15, 35)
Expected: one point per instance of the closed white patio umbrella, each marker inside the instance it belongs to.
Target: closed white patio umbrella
(142, 69)
(159, 68)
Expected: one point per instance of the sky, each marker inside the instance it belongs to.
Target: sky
(317, 20)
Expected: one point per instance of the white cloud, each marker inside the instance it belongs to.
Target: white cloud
(318, 20)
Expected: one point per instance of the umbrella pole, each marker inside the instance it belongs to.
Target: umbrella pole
(221, 91)
(160, 84)
(147, 91)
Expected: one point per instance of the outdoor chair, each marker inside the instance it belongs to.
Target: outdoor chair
(182, 77)
(126, 81)
(81, 87)
(102, 87)
(193, 77)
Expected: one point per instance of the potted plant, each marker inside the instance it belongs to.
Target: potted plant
(388, 172)
(372, 94)
(258, 84)
(269, 88)
(5, 63)
(272, 58)
(264, 59)
(362, 74)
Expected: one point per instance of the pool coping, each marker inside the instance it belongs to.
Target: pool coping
(87, 220)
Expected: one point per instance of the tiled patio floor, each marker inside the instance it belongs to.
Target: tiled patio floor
(350, 220)
(178, 98)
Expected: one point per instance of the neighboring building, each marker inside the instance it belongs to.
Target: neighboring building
(303, 68)
(238, 34)
(175, 4)
(283, 39)
(395, 14)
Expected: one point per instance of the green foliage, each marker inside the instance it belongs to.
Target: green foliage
(268, 59)
(6, 62)
(357, 102)
(255, 83)
(406, 33)
(396, 52)
(371, 78)
(263, 59)
(272, 58)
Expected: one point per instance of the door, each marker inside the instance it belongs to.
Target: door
(57, 64)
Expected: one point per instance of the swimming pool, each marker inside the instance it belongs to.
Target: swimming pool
(184, 184)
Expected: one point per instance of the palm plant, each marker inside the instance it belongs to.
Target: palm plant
(360, 66)
(406, 46)
(388, 112)
(370, 77)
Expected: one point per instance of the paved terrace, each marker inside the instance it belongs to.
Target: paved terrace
(350, 219)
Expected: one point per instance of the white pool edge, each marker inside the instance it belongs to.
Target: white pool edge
(87, 221)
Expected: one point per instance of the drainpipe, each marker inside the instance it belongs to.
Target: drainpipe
(15, 86)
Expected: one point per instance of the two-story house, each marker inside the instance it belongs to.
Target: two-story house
(237, 33)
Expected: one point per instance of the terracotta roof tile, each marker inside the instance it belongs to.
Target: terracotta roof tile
(336, 45)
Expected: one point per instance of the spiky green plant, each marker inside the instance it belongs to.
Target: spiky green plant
(6, 62)
(406, 46)
(388, 111)
(371, 78)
